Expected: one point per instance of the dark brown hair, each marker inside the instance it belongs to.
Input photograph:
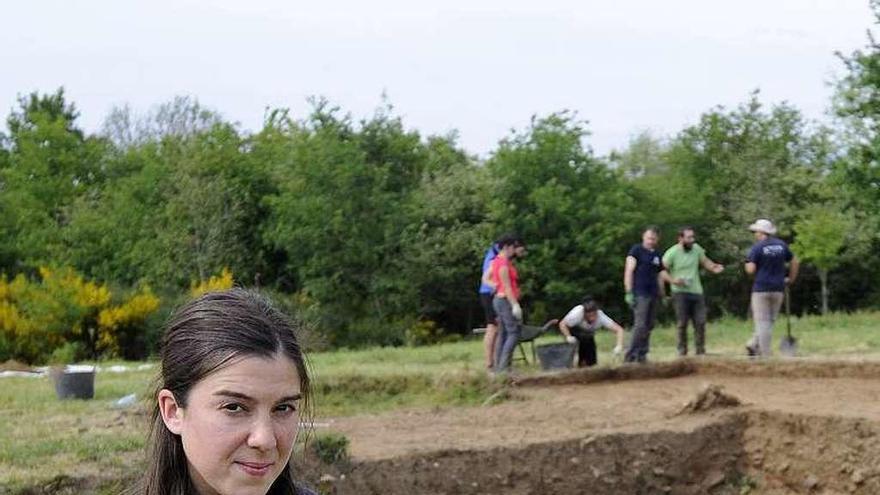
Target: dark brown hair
(203, 336)
(590, 305)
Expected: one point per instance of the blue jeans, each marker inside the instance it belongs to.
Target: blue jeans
(644, 314)
(508, 334)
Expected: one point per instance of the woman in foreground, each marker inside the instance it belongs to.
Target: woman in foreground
(230, 393)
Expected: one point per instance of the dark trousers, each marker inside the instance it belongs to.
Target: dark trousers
(644, 316)
(586, 348)
(690, 307)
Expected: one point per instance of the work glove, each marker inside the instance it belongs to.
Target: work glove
(618, 349)
(571, 339)
(517, 311)
(630, 299)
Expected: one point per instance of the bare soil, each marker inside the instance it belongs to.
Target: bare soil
(802, 427)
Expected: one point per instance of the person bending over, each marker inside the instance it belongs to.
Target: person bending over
(579, 327)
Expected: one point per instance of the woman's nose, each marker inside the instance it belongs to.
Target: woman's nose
(262, 434)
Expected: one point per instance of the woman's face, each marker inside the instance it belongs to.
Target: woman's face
(239, 425)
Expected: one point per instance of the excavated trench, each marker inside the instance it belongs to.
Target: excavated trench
(797, 427)
(712, 445)
(733, 453)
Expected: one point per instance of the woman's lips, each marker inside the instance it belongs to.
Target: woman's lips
(255, 468)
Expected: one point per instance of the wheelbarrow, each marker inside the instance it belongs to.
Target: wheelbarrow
(528, 334)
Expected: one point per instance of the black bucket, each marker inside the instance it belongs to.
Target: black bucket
(74, 383)
(556, 356)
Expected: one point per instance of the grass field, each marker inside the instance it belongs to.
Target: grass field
(42, 438)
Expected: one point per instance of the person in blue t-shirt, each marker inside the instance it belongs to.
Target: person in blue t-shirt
(486, 294)
(643, 278)
(766, 261)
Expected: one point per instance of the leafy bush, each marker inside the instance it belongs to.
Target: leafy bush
(69, 352)
(38, 317)
(423, 332)
(305, 313)
(216, 283)
(331, 447)
(5, 348)
(370, 331)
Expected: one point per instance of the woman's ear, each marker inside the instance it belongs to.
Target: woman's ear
(170, 410)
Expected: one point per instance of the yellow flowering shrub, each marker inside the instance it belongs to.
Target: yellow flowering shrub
(113, 320)
(38, 316)
(213, 284)
(25, 319)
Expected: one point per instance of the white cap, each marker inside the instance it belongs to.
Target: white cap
(763, 225)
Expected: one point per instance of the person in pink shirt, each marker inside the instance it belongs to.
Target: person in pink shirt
(506, 302)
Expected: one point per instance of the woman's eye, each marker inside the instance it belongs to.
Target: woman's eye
(285, 408)
(233, 407)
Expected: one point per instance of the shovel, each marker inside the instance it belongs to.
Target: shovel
(788, 344)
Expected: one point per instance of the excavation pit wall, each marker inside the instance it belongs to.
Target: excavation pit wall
(722, 451)
(754, 452)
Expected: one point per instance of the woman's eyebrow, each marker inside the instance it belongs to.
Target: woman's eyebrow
(236, 395)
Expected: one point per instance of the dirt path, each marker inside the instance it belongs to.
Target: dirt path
(558, 413)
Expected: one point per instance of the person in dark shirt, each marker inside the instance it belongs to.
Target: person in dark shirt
(766, 261)
(643, 278)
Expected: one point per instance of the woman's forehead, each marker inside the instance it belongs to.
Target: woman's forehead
(256, 376)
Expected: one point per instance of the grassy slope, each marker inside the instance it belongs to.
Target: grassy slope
(48, 437)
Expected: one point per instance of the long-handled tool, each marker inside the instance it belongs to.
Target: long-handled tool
(788, 344)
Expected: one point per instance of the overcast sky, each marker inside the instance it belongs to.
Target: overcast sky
(477, 66)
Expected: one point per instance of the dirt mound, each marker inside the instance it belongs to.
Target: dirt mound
(790, 453)
(773, 368)
(13, 365)
(790, 368)
(710, 397)
(585, 376)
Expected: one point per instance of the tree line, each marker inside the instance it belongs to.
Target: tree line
(374, 232)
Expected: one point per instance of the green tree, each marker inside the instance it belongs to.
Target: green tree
(856, 175)
(575, 213)
(447, 229)
(662, 186)
(337, 218)
(857, 103)
(180, 207)
(49, 163)
(821, 236)
(742, 164)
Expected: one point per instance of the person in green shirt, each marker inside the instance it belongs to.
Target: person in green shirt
(683, 262)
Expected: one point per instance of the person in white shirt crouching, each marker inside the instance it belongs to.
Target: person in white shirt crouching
(579, 327)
